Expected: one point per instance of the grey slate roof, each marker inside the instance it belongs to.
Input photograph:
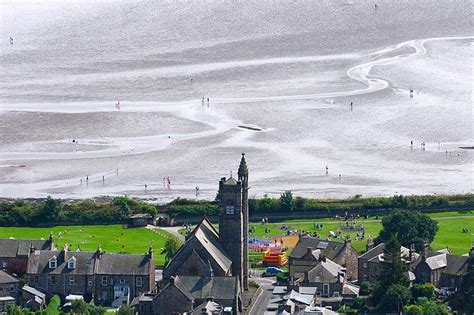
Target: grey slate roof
(376, 253)
(220, 288)
(124, 264)
(329, 249)
(325, 272)
(456, 265)
(21, 247)
(39, 262)
(33, 291)
(107, 264)
(437, 261)
(377, 250)
(7, 278)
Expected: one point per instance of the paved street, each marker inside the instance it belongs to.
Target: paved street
(260, 305)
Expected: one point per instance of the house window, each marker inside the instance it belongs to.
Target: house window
(53, 263)
(193, 271)
(364, 278)
(139, 281)
(72, 280)
(71, 264)
(325, 289)
(52, 280)
(89, 282)
(122, 281)
(12, 287)
(365, 264)
(104, 281)
(35, 279)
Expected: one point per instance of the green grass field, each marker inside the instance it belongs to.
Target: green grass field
(116, 239)
(112, 238)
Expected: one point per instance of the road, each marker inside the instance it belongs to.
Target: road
(260, 305)
(170, 229)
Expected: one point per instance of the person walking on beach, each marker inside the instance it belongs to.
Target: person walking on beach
(103, 179)
(208, 102)
(11, 41)
(202, 102)
(87, 179)
(327, 170)
(351, 106)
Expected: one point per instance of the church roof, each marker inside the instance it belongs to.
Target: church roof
(207, 235)
(209, 238)
(220, 288)
(230, 181)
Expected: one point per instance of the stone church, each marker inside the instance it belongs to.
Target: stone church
(211, 264)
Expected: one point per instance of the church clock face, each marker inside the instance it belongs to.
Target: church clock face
(229, 209)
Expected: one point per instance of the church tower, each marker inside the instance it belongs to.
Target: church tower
(233, 221)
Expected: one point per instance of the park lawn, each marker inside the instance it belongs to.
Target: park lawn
(112, 238)
(431, 215)
(449, 233)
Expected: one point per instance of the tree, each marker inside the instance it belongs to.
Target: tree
(394, 299)
(51, 208)
(171, 247)
(78, 307)
(125, 310)
(411, 227)
(427, 307)
(286, 201)
(392, 272)
(413, 310)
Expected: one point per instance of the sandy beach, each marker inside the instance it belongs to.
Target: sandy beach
(279, 88)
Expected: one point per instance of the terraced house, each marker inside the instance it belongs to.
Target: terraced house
(108, 279)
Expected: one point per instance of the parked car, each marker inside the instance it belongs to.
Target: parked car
(271, 271)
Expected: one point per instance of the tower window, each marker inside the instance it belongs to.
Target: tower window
(229, 210)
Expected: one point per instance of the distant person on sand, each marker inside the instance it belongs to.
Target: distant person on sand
(327, 170)
(208, 102)
(351, 106)
(202, 102)
(11, 41)
(117, 106)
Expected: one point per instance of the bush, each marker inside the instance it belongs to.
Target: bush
(422, 290)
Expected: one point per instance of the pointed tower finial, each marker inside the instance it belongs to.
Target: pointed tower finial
(243, 171)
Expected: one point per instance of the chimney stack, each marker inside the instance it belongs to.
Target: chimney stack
(412, 253)
(370, 244)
